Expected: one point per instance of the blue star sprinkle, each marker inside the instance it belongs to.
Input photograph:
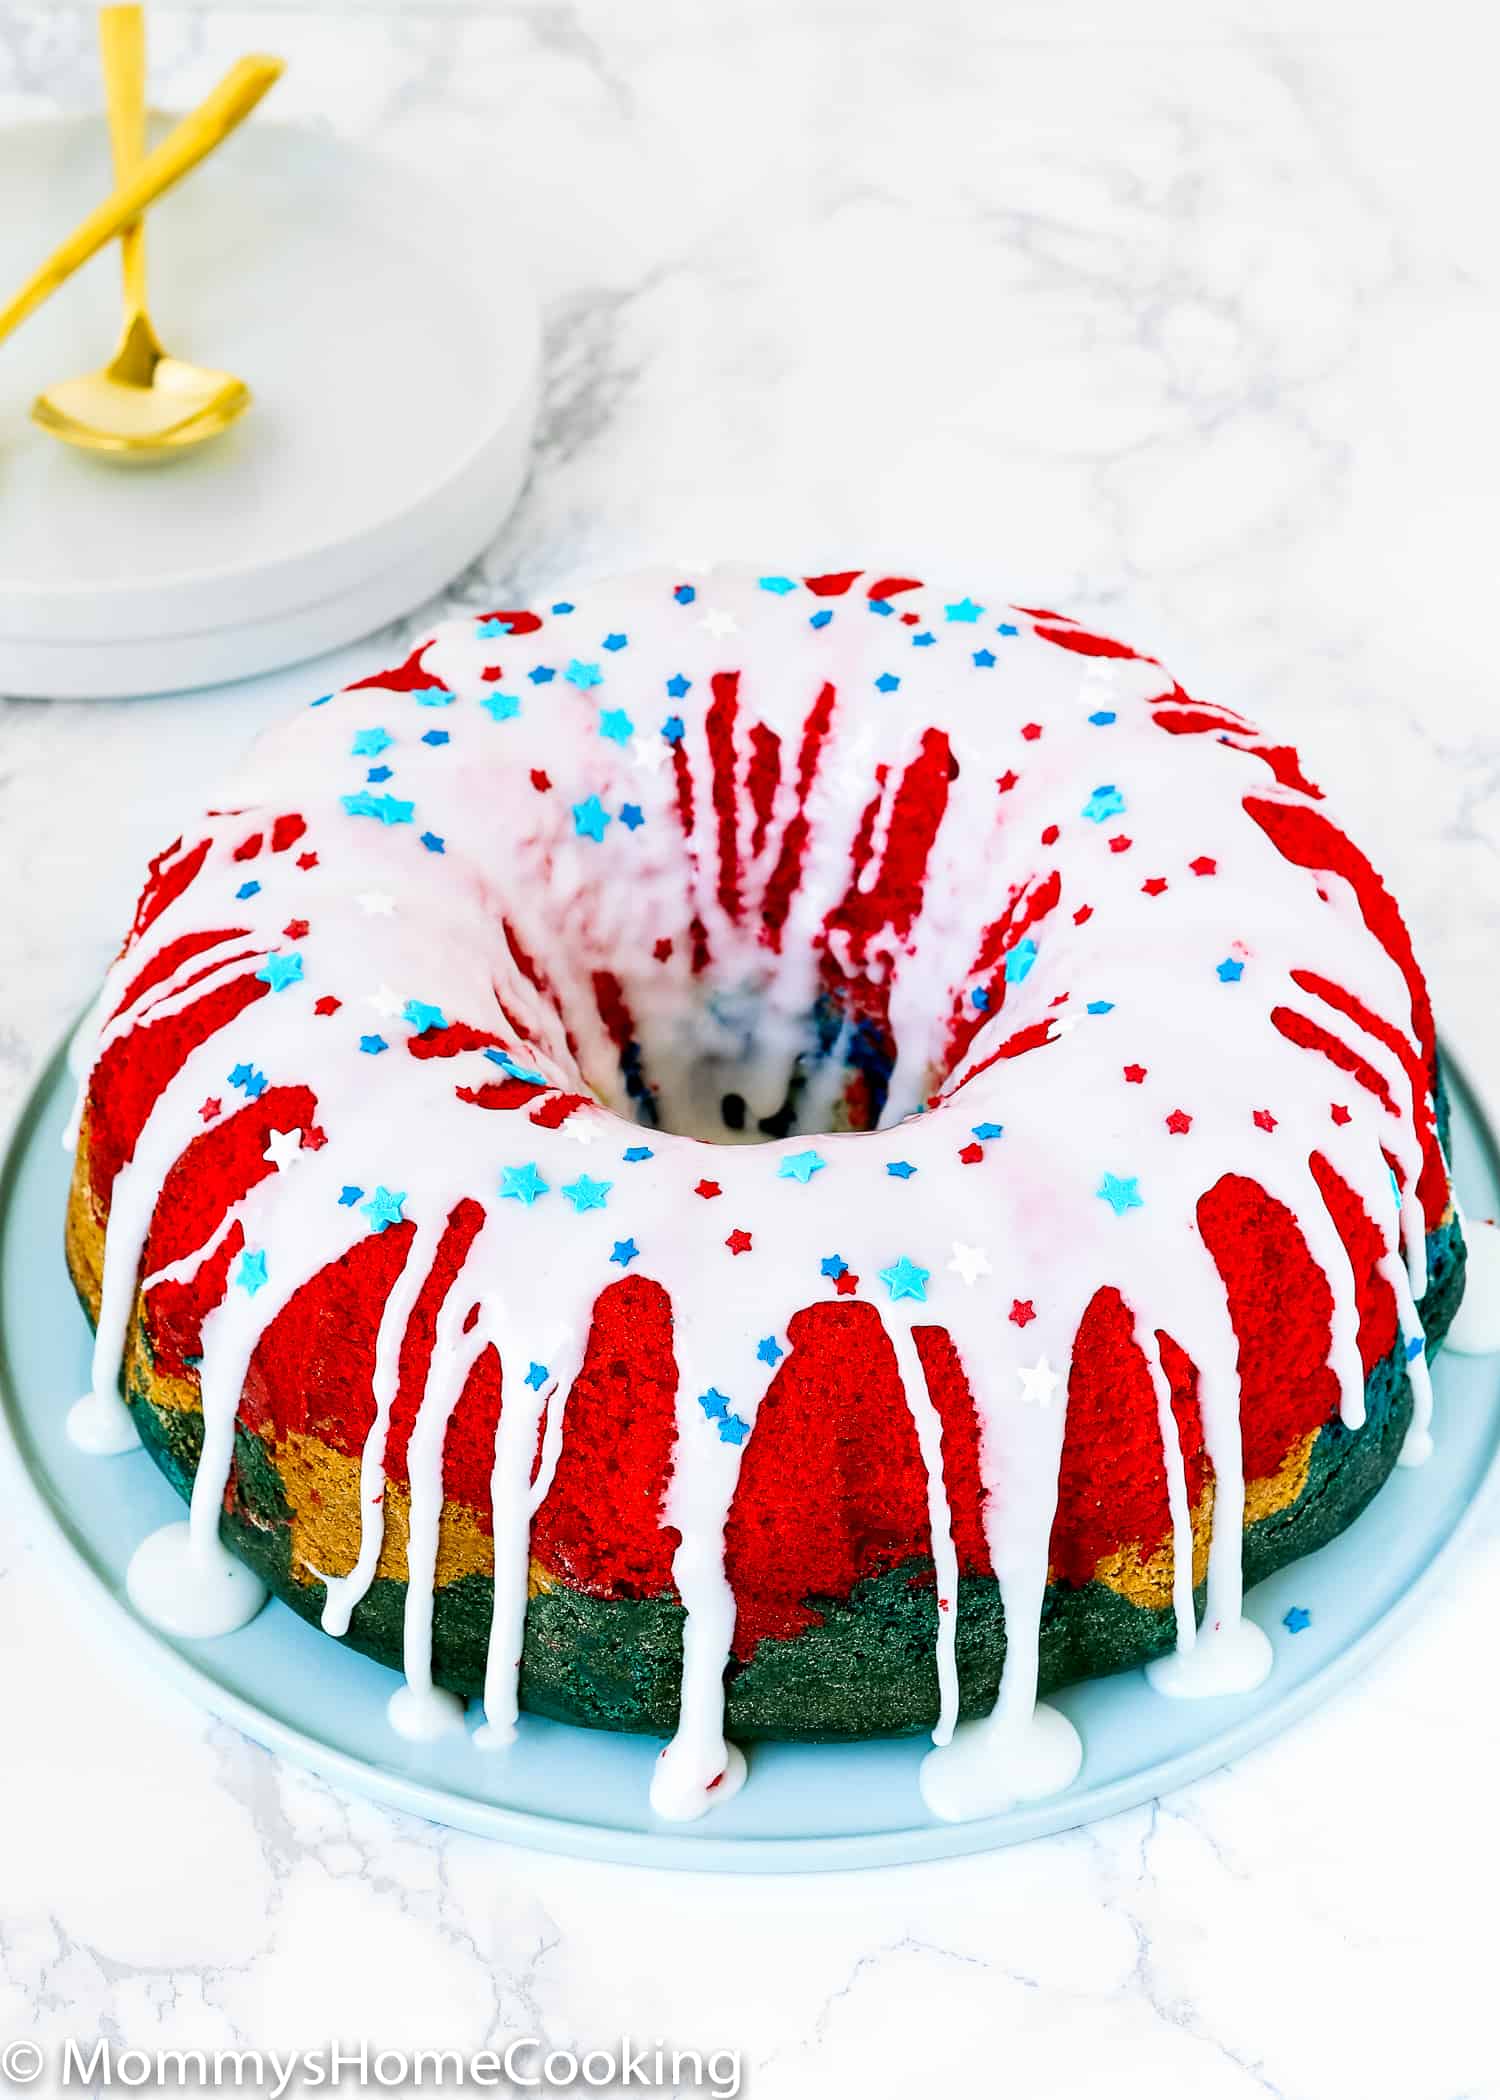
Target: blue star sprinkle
(386, 807)
(625, 1252)
(525, 1184)
(887, 682)
(583, 675)
(1414, 1348)
(349, 1195)
(322, 701)
(636, 1153)
(1121, 1192)
(630, 816)
(377, 774)
(507, 1063)
(902, 1169)
(1102, 717)
(820, 619)
(434, 696)
(985, 1131)
(247, 890)
(488, 629)
(369, 743)
(536, 1377)
(372, 1045)
(279, 971)
(833, 1266)
(252, 1084)
(541, 674)
(769, 1350)
(801, 1166)
(615, 641)
(251, 1274)
(1006, 628)
(585, 1194)
(984, 659)
(1229, 971)
(924, 640)
(435, 737)
(501, 707)
(674, 729)
(678, 687)
(422, 1016)
(1104, 803)
(903, 1279)
(1100, 1006)
(732, 1430)
(879, 606)
(1298, 1619)
(433, 843)
(966, 611)
(384, 1208)
(562, 606)
(779, 584)
(590, 818)
(980, 998)
(616, 725)
(1019, 961)
(684, 594)
(714, 1404)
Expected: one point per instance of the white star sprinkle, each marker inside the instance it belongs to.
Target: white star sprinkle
(719, 623)
(969, 1262)
(582, 1128)
(282, 1148)
(384, 1002)
(650, 753)
(1038, 1384)
(375, 904)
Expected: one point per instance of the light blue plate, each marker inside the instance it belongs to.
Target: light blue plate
(576, 1791)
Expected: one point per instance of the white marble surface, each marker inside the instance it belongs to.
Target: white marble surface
(1188, 321)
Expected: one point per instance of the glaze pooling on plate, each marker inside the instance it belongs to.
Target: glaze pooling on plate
(572, 894)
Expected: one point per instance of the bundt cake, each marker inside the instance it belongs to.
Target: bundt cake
(764, 1155)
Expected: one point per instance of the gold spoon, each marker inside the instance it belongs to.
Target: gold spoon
(143, 403)
(220, 112)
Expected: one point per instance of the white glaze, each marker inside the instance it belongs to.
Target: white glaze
(390, 921)
(187, 1590)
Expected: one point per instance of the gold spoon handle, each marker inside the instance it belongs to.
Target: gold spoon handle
(122, 55)
(218, 114)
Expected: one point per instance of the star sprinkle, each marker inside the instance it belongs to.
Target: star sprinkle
(833, 1266)
(590, 819)
(714, 1404)
(684, 594)
(1102, 718)
(965, 612)
(820, 619)
(378, 773)
(384, 1208)
(524, 1184)
(1229, 971)
(1179, 1122)
(1121, 1192)
(349, 1195)
(971, 1155)
(501, 707)
(507, 1064)
(536, 1377)
(386, 808)
(616, 726)
(246, 891)
(433, 843)
(541, 674)
(372, 1045)
(1339, 1113)
(252, 1084)
(583, 675)
(985, 1131)
(281, 971)
(1298, 1619)
(1104, 803)
(251, 1273)
(887, 682)
(903, 1279)
(769, 1350)
(801, 1166)
(1203, 865)
(847, 1284)
(707, 1190)
(980, 998)
(625, 1252)
(1134, 1074)
(434, 737)
(613, 642)
(1019, 961)
(733, 1430)
(631, 816)
(1022, 1312)
(1263, 1119)
(422, 1016)
(900, 1169)
(369, 743)
(678, 687)
(585, 1194)
(984, 659)
(282, 1148)
(969, 1263)
(1039, 1383)
(1154, 886)
(780, 585)
(1100, 1006)
(636, 1153)
(738, 1241)
(1006, 628)
(212, 1107)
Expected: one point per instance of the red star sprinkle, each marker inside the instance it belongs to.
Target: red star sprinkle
(295, 929)
(315, 1139)
(1154, 886)
(1339, 1113)
(1050, 835)
(971, 1155)
(847, 1284)
(1119, 844)
(307, 860)
(1006, 782)
(210, 1108)
(539, 780)
(326, 1005)
(1022, 1312)
(1031, 731)
(663, 950)
(1179, 1122)
(1083, 914)
(490, 673)
(708, 1190)
(1263, 1119)
(1135, 1074)
(1203, 865)
(738, 1241)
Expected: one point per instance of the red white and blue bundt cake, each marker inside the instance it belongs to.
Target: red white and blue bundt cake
(765, 1156)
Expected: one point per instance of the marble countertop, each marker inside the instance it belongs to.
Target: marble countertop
(1190, 327)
